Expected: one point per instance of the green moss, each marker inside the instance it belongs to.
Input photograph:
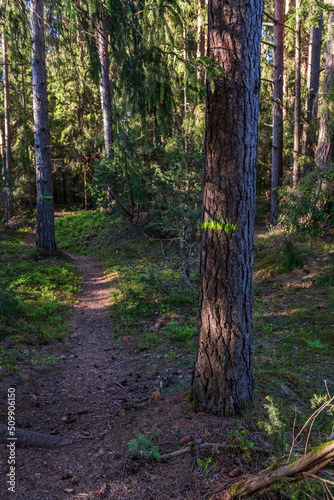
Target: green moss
(236, 488)
(319, 448)
(278, 462)
(36, 291)
(37, 254)
(267, 263)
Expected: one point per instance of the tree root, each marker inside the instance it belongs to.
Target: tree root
(313, 462)
(28, 438)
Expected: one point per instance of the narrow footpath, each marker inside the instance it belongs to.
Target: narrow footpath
(96, 396)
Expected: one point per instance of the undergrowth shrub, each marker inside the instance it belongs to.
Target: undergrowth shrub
(274, 427)
(307, 209)
(83, 231)
(180, 333)
(326, 279)
(289, 257)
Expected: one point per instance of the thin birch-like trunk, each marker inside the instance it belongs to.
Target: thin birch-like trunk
(277, 147)
(296, 136)
(2, 150)
(8, 156)
(26, 146)
(200, 35)
(286, 96)
(185, 104)
(313, 73)
(105, 89)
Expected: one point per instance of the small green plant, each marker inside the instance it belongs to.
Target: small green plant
(267, 328)
(144, 446)
(8, 360)
(240, 438)
(275, 428)
(316, 344)
(51, 359)
(151, 339)
(205, 464)
(181, 333)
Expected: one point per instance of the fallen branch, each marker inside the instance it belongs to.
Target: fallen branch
(29, 438)
(313, 462)
(203, 446)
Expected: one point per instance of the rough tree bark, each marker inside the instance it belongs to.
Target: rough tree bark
(296, 135)
(222, 380)
(277, 148)
(45, 231)
(325, 150)
(9, 197)
(313, 73)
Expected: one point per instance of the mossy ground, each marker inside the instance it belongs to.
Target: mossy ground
(154, 307)
(36, 293)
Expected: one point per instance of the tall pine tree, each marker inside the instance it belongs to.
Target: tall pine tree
(223, 377)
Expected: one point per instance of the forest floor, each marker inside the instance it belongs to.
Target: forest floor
(99, 397)
(114, 382)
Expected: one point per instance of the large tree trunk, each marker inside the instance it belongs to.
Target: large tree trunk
(325, 151)
(45, 232)
(277, 149)
(223, 378)
(296, 137)
(313, 72)
(105, 89)
(9, 196)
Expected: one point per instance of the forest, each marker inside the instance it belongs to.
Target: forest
(167, 249)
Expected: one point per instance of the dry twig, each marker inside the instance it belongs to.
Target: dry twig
(203, 446)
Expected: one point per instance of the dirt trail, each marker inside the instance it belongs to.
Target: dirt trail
(78, 399)
(93, 396)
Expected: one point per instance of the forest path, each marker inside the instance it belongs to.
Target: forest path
(84, 397)
(94, 397)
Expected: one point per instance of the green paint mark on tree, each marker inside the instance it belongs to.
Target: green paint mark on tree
(219, 226)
